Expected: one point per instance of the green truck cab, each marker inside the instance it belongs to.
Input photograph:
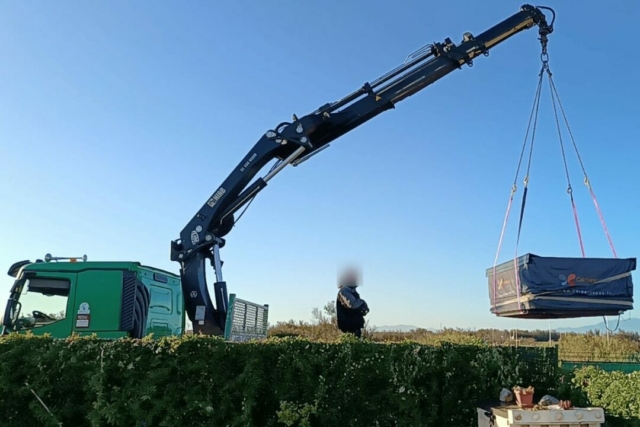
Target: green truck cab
(111, 299)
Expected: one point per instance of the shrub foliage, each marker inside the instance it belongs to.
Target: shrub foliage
(617, 392)
(197, 381)
(600, 346)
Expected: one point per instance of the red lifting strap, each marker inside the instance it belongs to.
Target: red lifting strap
(554, 96)
(604, 224)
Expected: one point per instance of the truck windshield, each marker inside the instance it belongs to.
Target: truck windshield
(35, 302)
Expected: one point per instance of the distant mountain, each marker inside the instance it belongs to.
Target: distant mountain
(396, 328)
(629, 325)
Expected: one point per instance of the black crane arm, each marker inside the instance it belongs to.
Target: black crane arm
(294, 142)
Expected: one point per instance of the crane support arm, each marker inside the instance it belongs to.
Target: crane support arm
(295, 141)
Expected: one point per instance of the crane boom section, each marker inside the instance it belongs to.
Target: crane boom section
(295, 141)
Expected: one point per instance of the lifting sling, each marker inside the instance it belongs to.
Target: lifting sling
(569, 297)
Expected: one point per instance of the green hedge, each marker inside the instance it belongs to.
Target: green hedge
(617, 392)
(196, 381)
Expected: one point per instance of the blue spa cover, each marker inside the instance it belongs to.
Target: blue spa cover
(574, 286)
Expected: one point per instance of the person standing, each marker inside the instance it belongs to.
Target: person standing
(350, 308)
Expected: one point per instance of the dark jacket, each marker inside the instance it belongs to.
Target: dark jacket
(350, 310)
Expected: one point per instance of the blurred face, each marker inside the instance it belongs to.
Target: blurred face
(350, 277)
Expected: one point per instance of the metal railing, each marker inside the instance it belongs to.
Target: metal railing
(246, 320)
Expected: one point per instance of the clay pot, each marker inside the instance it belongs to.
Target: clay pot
(524, 399)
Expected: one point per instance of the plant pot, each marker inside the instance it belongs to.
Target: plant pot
(524, 399)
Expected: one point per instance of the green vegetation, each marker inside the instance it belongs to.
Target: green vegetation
(597, 346)
(616, 392)
(305, 374)
(197, 381)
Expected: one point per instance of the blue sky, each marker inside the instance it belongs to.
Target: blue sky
(119, 119)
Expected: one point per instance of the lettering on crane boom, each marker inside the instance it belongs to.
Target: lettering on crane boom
(248, 162)
(246, 320)
(216, 196)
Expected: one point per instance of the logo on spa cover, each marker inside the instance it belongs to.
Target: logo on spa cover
(572, 279)
(568, 281)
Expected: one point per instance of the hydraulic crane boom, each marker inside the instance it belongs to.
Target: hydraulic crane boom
(203, 236)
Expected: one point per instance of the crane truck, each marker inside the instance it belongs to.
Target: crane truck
(127, 299)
